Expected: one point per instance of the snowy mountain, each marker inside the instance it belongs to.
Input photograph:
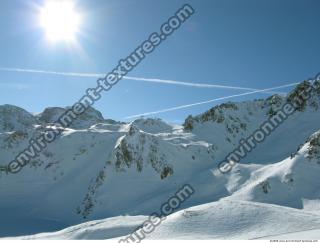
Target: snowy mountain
(100, 170)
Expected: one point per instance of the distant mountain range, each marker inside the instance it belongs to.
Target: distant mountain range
(115, 174)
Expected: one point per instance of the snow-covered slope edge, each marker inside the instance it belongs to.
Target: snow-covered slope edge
(225, 219)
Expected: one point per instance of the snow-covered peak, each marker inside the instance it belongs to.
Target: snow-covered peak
(223, 113)
(13, 118)
(51, 114)
(310, 88)
(89, 118)
(153, 126)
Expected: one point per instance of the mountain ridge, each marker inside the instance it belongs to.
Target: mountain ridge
(104, 168)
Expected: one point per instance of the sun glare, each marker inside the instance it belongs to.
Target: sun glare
(60, 20)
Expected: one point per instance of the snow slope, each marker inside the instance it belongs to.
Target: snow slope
(225, 219)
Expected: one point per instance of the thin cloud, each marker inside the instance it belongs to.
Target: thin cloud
(210, 101)
(150, 80)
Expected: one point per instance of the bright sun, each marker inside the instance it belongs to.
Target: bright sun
(60, 20)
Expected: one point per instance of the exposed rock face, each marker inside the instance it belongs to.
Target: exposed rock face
(137, 148)
(314, 147)
(303, 90)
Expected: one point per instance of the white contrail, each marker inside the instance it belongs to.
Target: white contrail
(151, 80)
(210, 101)
(22, 70)
(197, 85)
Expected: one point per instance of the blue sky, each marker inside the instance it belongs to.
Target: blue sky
(248, 43)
